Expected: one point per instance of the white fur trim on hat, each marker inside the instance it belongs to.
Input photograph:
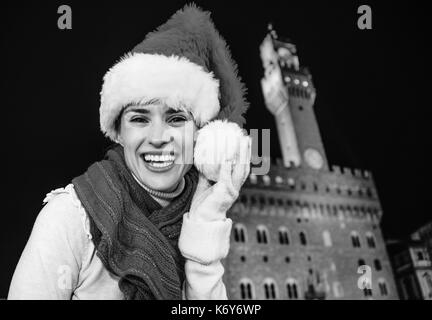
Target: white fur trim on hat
(175, 80)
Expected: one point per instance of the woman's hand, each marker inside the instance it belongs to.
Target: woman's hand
(211, 202)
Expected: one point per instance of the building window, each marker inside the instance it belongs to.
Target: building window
(246, 289)
(361, 262)
(420, 256)
(378, 266)
(327, 239)
(239, 233)
(367, 292)
(287, 259)
(383, 287)
(262, 202)
(303, 240)
(355, 239)
(270, 289)
(262, 235)
(292, 290)
(283, 236)
(370, 239)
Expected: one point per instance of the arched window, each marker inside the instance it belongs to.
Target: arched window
(378, 266)
(239, 233)
(283, 236)
(382, 287)
(327, 238)
(246, 289)
(262, 235)
(292, 289)
(367, 292)
(370, 239)
(303, 239)
(270, 289)
(355, 239)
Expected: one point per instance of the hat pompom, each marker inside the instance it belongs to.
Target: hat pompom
(217, 142)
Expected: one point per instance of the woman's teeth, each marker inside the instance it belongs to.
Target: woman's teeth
(159, 160)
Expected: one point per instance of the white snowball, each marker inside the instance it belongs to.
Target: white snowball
(216, 142)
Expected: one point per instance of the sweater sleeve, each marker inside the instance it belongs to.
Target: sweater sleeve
(204, 244)
(50, 263)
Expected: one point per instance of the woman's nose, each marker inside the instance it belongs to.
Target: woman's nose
(159, 136)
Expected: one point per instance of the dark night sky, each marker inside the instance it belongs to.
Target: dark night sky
(371, 94)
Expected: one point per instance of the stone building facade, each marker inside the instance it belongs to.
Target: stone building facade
(305, 230)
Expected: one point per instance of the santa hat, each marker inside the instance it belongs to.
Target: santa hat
(184, 63)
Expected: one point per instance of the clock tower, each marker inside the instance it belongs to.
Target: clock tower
(289, 95)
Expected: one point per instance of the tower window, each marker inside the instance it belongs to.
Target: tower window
(383, 287)
(378, 266)
(355, 239)
(300, 108)
(303, 239)
(370, 240)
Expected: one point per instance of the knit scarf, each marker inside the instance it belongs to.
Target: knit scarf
(135, 237)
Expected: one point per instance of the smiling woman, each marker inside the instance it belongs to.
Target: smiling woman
(145, 222)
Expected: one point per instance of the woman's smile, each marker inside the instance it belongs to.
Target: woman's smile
(158, 161)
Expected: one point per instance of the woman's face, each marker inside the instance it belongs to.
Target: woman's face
(158, 143)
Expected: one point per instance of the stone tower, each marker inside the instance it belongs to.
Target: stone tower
(306, 230)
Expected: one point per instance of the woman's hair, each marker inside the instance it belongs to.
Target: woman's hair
(117, 121)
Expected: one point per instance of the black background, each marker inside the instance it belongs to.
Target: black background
(372, 85)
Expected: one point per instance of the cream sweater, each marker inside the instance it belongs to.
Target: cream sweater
(59, 260)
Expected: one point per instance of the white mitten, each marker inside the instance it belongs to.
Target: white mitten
(211, 202)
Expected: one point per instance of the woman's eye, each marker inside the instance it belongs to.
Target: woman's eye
(177, 119)
(139, 119)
